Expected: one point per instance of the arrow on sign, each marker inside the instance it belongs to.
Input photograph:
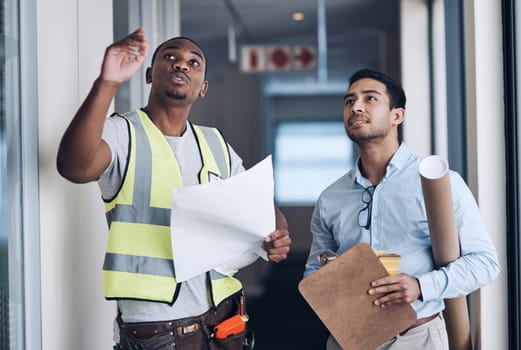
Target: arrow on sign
(305, 56)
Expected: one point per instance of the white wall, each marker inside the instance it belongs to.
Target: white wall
(414, 41)
(72, 36)
(485, 123)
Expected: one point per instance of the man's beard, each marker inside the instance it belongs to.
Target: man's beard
(176, 95)
(366, 136)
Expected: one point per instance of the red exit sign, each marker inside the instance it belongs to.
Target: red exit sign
(278, 58)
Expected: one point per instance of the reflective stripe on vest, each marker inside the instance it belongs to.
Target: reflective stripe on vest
(138, 262)
(210, 138)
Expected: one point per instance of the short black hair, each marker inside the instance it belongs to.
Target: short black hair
(394, 88)
(181, 38)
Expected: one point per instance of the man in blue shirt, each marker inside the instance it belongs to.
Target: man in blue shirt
(380, 202)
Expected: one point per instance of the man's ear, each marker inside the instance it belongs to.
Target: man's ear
(148, 75)
(398, 115)
(204, 88)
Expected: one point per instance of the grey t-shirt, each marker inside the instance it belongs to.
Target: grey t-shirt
(193, 297)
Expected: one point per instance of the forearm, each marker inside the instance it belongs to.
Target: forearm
(322, 240)
(461, 277)
(82, 155)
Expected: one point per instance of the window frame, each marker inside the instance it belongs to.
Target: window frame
(511, 62)
(23, 183)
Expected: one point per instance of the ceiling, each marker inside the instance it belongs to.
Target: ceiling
(356, 30)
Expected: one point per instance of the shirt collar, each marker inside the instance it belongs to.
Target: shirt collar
(397, 162)
(399, 159)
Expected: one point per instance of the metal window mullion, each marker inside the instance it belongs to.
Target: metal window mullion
(456, 91)
(513, 162)
(30, 179)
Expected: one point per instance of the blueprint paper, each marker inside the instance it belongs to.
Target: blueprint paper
(221, 225)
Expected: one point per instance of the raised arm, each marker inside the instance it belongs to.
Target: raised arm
(83, 155)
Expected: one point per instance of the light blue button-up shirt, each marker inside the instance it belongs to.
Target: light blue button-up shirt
(399, 225)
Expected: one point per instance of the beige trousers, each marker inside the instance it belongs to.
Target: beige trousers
(429, 336)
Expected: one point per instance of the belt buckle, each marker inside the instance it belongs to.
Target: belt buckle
(188, 329)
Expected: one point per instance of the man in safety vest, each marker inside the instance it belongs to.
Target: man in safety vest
(137, 159)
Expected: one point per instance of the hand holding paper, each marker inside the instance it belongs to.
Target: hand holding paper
(278, 243)
(221, 225)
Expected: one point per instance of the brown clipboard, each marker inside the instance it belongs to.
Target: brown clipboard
(337, 293)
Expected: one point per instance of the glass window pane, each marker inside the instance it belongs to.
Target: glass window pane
(11, 244)
(309, 156)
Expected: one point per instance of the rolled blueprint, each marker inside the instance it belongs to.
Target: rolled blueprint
(435, 181)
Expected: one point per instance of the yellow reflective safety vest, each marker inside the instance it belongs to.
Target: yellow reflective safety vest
(138, 261)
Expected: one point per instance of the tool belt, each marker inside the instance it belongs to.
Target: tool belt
(191, 333)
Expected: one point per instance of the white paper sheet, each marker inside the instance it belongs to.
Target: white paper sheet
(221, 225)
